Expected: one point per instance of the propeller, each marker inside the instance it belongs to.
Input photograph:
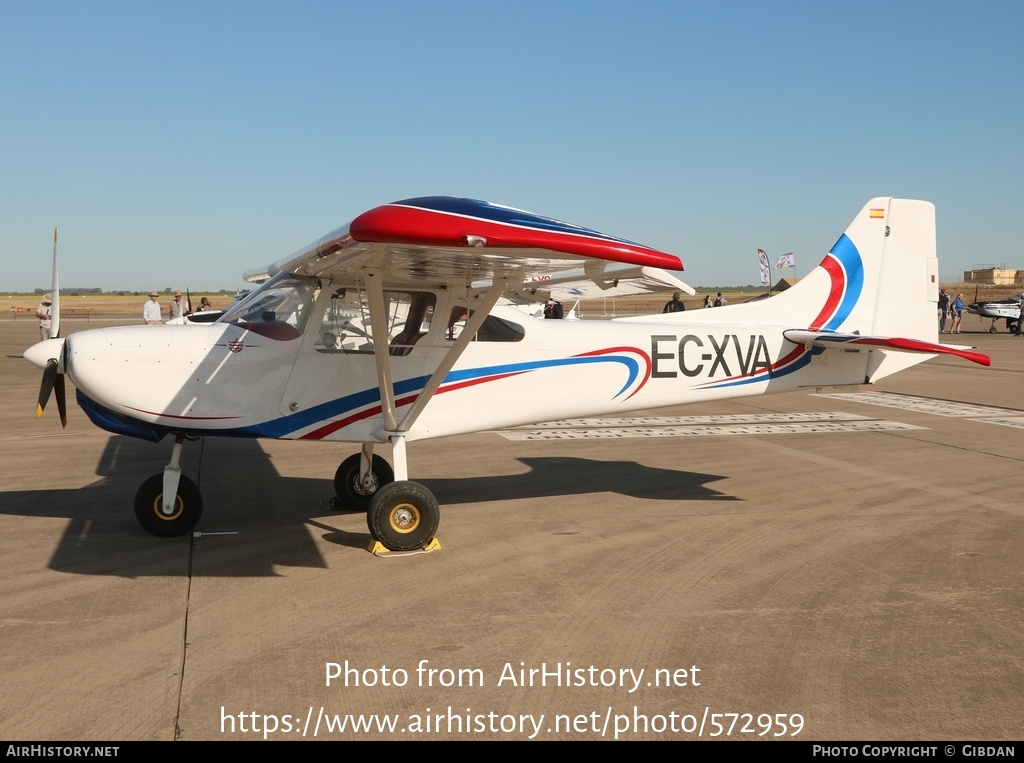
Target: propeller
(53, 380)
(55, 291)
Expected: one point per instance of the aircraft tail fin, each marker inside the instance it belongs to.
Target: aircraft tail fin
(881, 276)
(881, 279)
(907, 290)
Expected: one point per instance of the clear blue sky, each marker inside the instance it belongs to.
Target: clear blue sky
(177, 144)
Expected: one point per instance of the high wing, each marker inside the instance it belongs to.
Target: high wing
(450, 244)
(448, 241)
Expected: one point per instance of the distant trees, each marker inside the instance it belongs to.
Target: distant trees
(72, 291)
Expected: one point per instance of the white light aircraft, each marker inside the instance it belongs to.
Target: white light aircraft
(1000, 309)
(388, 330)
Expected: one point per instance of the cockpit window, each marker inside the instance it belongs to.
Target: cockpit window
(279, 308)
(493, 329)
(346, 326)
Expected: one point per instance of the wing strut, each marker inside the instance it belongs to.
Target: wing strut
(379, 319)
(382, 355)
(473, 325)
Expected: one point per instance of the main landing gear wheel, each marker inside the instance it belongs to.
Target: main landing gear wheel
(403, 516)
(348, 485)
(187, 509)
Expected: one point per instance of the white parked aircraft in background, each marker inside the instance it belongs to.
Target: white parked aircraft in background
(354, 339)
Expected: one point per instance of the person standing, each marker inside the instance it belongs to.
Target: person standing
(151, 312)
(719, 300)
(177, 309)
(707, 301)
(43, 314)
(957, 310)
(675, 305)
(553, 309)
(943, 310)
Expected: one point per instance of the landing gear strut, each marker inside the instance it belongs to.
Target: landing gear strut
(181, 509)
(401, 515)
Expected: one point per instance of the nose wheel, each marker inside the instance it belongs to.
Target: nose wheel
(403, 516)
(167, 522)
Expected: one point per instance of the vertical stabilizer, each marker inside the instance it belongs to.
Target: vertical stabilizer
(908, 284)
(884, 272)
(879, 279)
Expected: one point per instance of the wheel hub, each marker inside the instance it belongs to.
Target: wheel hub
(368, 489)
(405, 518)
(158, 508)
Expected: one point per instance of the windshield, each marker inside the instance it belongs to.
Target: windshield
(284, 299)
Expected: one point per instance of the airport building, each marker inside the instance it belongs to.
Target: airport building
(994, 275)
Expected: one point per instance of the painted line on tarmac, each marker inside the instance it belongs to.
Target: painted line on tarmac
(601, 429)
(922, 404)
(1009, 421)
(732, 418)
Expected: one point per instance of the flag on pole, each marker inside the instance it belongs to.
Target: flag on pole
(785, 261)
(766, 272)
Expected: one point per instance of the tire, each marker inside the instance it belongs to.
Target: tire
(403, 516)
(349, 488)
(188, 507)
(992, 329)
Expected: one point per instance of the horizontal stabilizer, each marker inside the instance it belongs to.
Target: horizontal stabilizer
(833, 340)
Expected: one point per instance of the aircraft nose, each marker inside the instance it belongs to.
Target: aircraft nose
(39, 354)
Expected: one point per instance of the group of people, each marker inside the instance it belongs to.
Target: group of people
(953, 309)
(675, 305)
(152, 312)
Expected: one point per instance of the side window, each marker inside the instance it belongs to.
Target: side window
(347, 327)
(493, 329)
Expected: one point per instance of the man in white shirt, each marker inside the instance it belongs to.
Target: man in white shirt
(43, 314)
(151, 313)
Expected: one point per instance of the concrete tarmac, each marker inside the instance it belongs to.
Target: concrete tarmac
(844, 567)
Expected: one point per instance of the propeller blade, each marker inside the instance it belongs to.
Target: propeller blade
(62, 406)
(55, 291)
(49, 380)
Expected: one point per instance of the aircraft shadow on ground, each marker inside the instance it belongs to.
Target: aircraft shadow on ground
(551, 477)
(255, 520)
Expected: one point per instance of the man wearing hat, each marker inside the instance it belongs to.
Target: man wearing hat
(151, 313)
(43, 314)
(176, 307)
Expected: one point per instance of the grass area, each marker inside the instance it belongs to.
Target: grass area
(98, 304)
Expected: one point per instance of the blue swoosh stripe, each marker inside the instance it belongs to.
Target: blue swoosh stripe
(845, 251)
